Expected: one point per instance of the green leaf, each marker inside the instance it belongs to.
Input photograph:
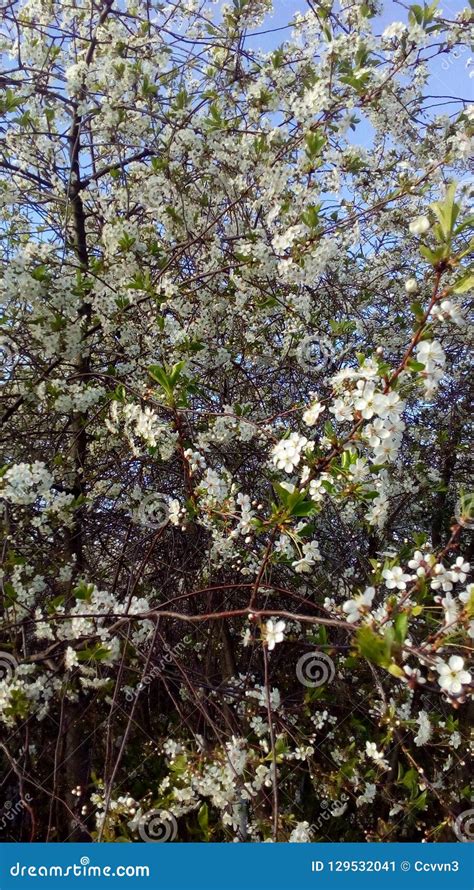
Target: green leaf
(417, 310)
(281, 748)
(328, 486)
(141, 281)
(373, 647)
(160, 376)
(282, 493)
(9, 101)
(311, 216)
(175, 372)
(181, 100)
(433, 256)
(413, 365)
(464, 284)
(179, 765)
(420, 802)
(39, 273)
(466, 508)
(415, 15)
(94, 653)
(55, 603)
(83, 591)
(401, 627)
(410, 782)
(303, 508)
(203, 819)
(447, 212)
(10, 593)
(315, 142)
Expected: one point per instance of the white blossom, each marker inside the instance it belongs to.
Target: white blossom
(396, 578)
(274, 633)
(452, 675)
(419, 226)
(287, 453)
(360, 605)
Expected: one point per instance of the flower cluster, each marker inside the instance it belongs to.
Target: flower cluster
(234, 377)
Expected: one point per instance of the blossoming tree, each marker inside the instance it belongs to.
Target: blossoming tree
(235, 448)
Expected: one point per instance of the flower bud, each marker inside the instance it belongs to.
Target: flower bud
(411, 286)
(419, 226)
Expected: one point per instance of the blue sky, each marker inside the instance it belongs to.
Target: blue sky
(448, 77)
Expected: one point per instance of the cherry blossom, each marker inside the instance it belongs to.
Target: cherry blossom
(274, 633)
(234, 377)
(459, 570)
(419, 226)
(452, 675)
(359, 605)
(396, 578)
(287, 453)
